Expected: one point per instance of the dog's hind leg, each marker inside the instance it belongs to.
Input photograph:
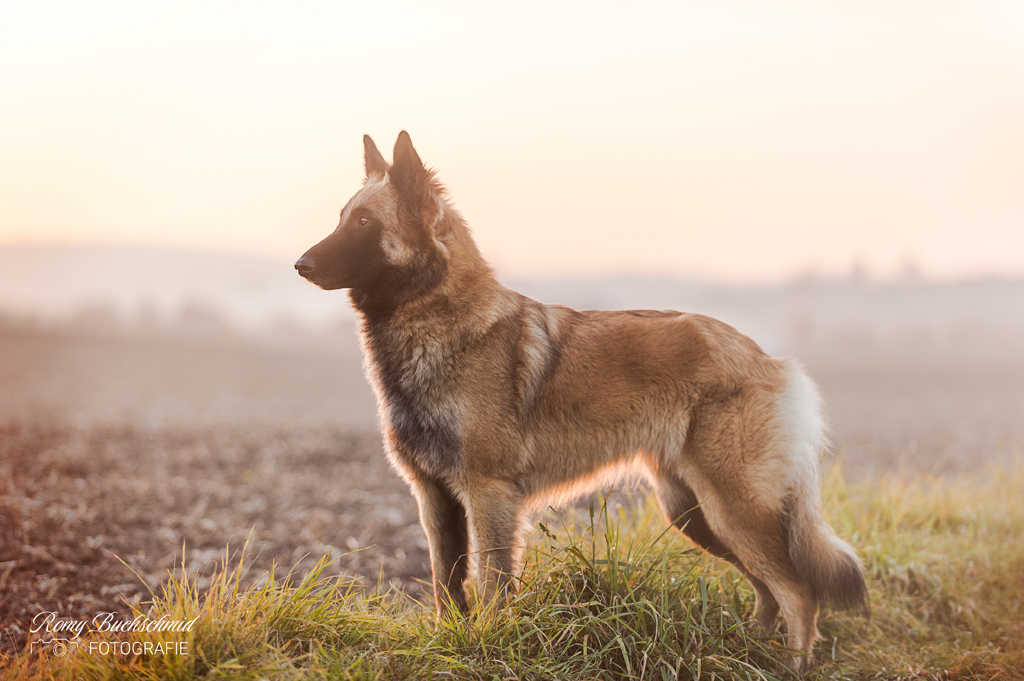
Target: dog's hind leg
(444, 521)
(681, 508)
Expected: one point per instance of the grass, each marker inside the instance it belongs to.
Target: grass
(617, 597)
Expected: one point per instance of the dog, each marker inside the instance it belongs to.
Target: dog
(494, 405)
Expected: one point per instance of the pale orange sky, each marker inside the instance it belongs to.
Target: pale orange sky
(736, 141)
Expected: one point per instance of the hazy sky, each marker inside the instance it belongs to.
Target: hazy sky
(738, 141)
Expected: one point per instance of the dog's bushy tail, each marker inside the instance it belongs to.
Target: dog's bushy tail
(826, 563)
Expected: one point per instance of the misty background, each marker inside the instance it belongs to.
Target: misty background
(916, 374)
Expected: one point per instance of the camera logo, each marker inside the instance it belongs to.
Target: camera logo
(58, 646)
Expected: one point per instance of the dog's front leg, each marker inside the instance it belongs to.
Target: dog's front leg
(444, 521)
(495, 508)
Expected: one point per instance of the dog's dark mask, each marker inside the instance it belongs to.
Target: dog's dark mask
(353, 256)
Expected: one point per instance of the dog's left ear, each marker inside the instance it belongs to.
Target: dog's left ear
(376, 166)
(407, 173)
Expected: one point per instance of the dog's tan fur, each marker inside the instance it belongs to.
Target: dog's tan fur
(493, 405)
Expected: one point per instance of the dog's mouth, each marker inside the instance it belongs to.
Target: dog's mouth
(322, 282)
(327, 285)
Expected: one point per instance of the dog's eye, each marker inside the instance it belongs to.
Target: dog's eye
(364, 221)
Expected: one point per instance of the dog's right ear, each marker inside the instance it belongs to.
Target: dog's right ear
(407, 173)
(376, 166)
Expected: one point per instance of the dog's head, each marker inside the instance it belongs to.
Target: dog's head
(390, 243)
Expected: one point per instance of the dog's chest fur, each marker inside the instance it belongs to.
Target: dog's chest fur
(414, 375)
(424, 369)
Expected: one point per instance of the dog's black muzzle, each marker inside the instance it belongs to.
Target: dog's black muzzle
(305, 266)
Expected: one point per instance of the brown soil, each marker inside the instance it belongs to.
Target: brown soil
(77, 502)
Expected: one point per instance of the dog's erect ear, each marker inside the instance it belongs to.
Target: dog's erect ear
(407, 173)
(376, 166)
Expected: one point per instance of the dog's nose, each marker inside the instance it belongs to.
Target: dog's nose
(305, 265)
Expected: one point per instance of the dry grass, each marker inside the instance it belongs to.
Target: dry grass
(622, 599)
(946, 564)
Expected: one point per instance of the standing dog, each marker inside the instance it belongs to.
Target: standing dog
(494, 405)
